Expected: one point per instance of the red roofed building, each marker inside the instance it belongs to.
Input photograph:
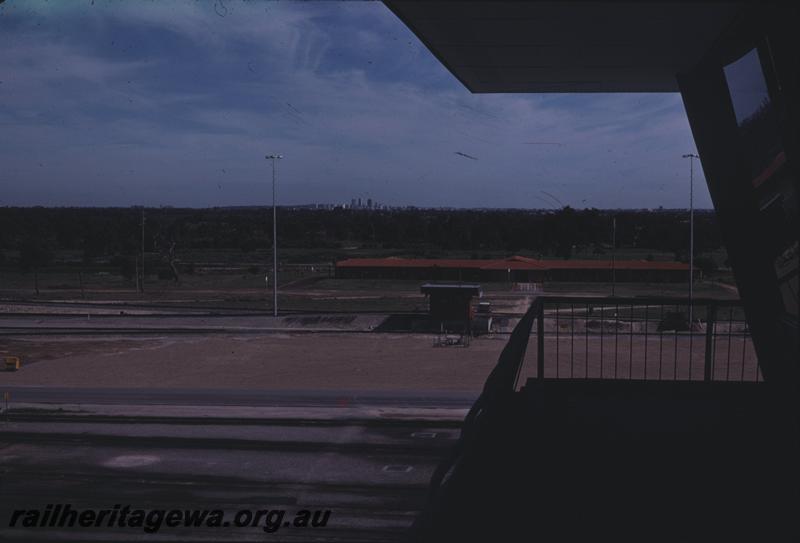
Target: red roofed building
(516, 269)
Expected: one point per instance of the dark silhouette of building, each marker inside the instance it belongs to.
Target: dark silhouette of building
(451, 302)
(637, 460)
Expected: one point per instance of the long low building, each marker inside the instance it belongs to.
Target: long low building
(517, 269)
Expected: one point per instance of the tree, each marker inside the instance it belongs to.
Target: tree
(166, 248)
(706, 265)
(124, 265)
(34, 254)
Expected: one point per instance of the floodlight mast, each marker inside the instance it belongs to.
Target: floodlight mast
(691, 157)
(274, 238)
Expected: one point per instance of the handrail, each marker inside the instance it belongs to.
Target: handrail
(732, 333)
(501, 383)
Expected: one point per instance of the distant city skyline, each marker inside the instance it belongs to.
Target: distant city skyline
(177, 104)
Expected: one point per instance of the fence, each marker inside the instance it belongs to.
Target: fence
(642, 339)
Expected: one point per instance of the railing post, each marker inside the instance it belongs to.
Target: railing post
(711, 317)
(540, 341)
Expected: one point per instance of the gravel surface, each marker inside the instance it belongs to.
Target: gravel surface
(277, 361)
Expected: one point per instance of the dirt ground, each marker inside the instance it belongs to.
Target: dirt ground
(357, 361)
(374, 361)
(276, 361)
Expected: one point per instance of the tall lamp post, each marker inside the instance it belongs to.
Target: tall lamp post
(614, 256)
(141, 283)
(274, 239)
(691, 158)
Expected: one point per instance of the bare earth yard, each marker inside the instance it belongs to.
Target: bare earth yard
(275, 361)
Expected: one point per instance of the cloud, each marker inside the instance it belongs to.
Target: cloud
(148, 102)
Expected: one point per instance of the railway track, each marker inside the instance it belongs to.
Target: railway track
(372, 504)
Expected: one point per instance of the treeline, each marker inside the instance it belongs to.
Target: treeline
(110, 232)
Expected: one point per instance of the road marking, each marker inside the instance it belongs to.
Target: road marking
(424, 435)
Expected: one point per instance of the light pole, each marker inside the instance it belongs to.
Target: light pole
(691, 158)
(614, 256)
(274, 239)
(141, 283)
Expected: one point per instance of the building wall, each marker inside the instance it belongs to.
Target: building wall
(450, 306)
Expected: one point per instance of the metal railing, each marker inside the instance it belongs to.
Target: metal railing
(643, 339)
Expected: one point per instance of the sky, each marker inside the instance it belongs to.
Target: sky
(119, 103)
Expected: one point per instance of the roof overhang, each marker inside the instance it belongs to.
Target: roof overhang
(566, 46)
